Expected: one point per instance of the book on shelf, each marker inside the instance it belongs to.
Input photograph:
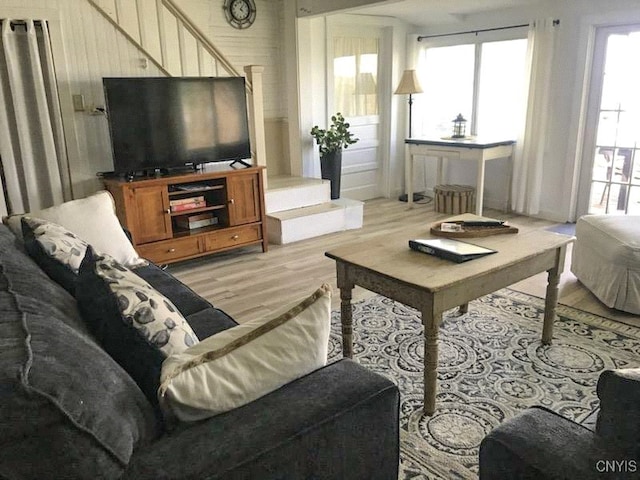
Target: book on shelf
(450, 249)
(188, 206)
(186, 187)
(196, 221)
(183, 201)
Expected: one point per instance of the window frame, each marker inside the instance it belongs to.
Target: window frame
(471, 38)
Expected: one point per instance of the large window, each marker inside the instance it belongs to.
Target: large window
(482, 81)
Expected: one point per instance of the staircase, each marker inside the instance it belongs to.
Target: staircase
(167, 37)
(297, 208)
(300, 208)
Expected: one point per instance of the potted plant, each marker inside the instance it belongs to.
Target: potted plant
(331, 141)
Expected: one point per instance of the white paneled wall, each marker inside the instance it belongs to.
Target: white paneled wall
(89, 48)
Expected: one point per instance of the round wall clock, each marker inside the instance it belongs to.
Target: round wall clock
(240, 13)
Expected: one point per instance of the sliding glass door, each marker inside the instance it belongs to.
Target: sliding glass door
(610, 174)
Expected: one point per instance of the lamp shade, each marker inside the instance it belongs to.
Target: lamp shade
(409, 83)
(366, 84)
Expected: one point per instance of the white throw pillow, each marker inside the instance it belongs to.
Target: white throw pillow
(243, 363)
(93, 219)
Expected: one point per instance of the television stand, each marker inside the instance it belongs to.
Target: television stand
(239, 160)
(183, 216)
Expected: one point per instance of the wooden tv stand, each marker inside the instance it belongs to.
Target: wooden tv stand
(154, 211)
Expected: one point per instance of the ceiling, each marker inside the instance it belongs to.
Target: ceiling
(438, 12)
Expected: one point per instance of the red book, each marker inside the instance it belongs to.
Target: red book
(188, 206)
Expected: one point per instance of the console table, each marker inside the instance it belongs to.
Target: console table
(463, 149)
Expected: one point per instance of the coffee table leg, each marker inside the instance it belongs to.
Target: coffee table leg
(347, 322)
(551, 297)
(464, 308)
(431, 324)
(345, 284)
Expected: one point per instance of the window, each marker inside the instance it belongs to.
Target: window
(482, 81)
(355, 70)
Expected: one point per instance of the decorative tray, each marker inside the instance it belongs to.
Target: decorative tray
(473, 231)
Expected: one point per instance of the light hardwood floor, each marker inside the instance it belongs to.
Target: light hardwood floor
(247, 283)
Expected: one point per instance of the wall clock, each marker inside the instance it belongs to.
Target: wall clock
(240, 13)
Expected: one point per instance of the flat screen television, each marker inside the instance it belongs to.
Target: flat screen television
(163, 123)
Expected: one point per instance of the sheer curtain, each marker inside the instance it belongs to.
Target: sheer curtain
(35, 172)
(530, 148)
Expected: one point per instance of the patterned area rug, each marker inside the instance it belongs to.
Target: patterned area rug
(492, 365)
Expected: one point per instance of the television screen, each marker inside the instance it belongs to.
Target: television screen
(167, 122)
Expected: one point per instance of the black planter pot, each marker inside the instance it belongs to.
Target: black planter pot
(331, 169)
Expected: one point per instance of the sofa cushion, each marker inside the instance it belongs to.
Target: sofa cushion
(55, 249)
(68, 410)
(185, 299)
(339, 422)
(210, 321)
(136, 324)
(94, 220)
(243, 363)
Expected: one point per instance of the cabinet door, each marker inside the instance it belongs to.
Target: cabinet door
(243, 193)
(152, 221)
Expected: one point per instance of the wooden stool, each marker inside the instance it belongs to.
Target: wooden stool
(454, 199)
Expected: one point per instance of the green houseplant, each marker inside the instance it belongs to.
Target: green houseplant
(331, 142)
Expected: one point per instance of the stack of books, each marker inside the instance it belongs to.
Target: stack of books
(196, 221)
(180, 204)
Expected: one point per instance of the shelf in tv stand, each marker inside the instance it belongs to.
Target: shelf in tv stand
(192, 211)
(173, 193)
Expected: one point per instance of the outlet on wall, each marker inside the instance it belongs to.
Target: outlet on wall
(78, 103)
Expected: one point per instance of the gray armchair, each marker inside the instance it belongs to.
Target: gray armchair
(540, 444)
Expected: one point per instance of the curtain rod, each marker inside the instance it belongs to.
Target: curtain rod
(19, 22)
(422, 37)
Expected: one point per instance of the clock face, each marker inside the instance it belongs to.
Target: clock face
(240, 13)
(239, 9)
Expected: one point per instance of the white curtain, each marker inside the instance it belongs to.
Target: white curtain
(529, 154)
(35, 172)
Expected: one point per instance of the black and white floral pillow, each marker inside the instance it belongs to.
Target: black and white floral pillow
(153, 315)
(57, 242)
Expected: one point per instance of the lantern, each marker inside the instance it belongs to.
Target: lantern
(459, 126)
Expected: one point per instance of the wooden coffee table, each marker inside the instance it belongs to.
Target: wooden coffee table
(432, 285)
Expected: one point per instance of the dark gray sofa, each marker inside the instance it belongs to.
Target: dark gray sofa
(540, 444)
(69, 411)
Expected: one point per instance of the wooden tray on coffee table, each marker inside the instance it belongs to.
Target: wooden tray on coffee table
(471, 231)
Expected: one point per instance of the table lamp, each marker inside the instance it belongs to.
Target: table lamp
(409, 85)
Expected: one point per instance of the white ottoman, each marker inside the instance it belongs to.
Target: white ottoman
(606, 259)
